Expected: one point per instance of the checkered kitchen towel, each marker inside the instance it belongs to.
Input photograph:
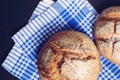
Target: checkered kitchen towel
(76, 15)
(41, 7)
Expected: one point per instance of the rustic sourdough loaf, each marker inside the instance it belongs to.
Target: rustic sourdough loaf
(107, 34)
(69, 55)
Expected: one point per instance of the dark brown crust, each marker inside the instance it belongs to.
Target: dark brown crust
(62, 46)
(105, 18)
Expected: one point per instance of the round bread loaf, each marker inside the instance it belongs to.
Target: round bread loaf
(69, 55)
(107, 34)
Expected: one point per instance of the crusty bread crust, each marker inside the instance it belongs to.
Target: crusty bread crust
(107, 34)
(110, 10)
(69, 55)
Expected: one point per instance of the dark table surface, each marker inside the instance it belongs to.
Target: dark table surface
(14, 14)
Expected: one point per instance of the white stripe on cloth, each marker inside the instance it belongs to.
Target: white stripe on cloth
(41, 7)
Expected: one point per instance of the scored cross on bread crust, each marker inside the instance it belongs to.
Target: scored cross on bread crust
(107, 34)
(71, 60)
(57, 60)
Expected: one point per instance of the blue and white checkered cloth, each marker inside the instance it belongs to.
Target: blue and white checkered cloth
(76, 15)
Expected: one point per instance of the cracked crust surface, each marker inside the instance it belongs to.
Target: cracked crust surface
(107, 34)
(69, 55)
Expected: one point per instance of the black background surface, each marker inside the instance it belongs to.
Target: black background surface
(14, 14)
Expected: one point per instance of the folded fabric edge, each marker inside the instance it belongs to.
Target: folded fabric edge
(41, 7)
(27, 74)
(11, 59)
(17, 64)
(4, 66)
(29, 29)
